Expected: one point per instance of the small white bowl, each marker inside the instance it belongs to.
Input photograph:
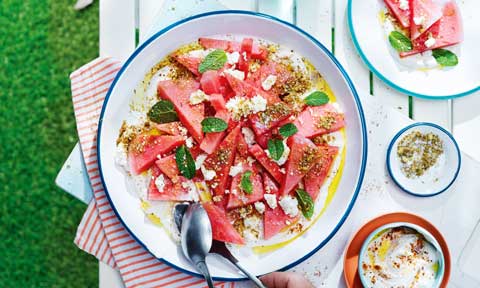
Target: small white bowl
(438, 178)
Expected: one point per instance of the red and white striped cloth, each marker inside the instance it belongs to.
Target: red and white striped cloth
(100, 233)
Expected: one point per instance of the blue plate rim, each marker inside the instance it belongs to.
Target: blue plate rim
(385, 79)
(320, 46)
(400, 133)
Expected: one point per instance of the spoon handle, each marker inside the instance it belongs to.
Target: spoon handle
(202, 267)
(252, 277)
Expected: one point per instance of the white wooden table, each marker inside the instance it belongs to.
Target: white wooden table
(123, 23)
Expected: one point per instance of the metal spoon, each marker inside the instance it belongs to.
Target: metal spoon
(218, 247)
(196, 238)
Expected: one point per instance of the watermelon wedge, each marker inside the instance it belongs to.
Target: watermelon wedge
(242, 146)
(319, 172)
(267, 163)
(222, 229)
(244, 88)
(191, 116)
(423, 14)
(274, 220)
(319, 120)
(401, 13)
(275, 114)
(168, 165)
(212, 82)
(172, 128)
(269, 68)
(189, 62)
(257, 51)
(447, 31)
(171, 191)
(145, 148)
(303, 155)
(237, 197)
(221, 160)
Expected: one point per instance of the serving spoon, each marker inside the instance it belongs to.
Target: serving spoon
(196, 238)
(217, 247)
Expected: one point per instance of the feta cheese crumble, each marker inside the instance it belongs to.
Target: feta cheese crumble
(241, 106)
(160, 183)
(289, 205)
(236, 169)
(430, 41)
(419, 20)
(189, 142)
(403, 5)
(260, 207)
(248, 135)
(240, 75)
(271, 200)
(269, 82)
(232, 58)
(199, 161)
(121, 156)
(198, 97)
(208, 174)
(259, 104)
(251, 222)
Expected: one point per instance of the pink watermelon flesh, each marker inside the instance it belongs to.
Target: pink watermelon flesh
(244, 88)
(319, 120)
(402, 16)
(171, 191)
(257, 51)
(428, 11)
(317, 175)
(191, 63)
(211, 141)
(238, 197)
(259, 154)
(172, 128)
(447, 31)
(191, 116)
(222, 229)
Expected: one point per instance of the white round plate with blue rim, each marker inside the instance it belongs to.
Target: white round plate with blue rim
(439, 177)
(116, 108)
(371, 42)
(428, 237)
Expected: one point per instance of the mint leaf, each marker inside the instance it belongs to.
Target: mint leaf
(246, 182)
(185, 162)
(213, 61)
(288, 130)
(445, 57)
(275, 148)
(400, 42)
(212, 124)
(162, 112)
(316, 98)
(305, 202)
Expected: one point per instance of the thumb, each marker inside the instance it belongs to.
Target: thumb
(285, 280)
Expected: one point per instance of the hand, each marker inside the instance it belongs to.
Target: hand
(285, 280)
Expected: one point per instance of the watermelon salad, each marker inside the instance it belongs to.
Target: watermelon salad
(423, 33)
(247, 127)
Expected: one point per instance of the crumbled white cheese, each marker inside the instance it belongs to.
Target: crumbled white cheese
(200, 53)
(260, 207)
(217, 198)
(271, 200)
(236, 169)
(269, 82)
(430, 41)
(249, 236)
(198, 97)
(192, 189)
(403, 5)
(282, 170)
(239, 107)
(208, 174)
(160, 183)
(183, 131)
(240, 75)
(248, 135)
(121, 156)
(419, 20)
(189, 142)
(251, 222)
(244, 54)
(284, 157)
(199, 161)
(259, 104)
(232, 58)
(289, 205)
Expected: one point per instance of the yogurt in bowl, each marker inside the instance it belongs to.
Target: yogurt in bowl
(401, 255)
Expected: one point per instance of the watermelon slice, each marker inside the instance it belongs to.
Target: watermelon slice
(319, 172)
(402, 15)
(171, 191)
(168, 165)
(221, 160)
(447, 31)
(238, 197)
(274, 220)
(242, 146)
(303, 155)
(218, 102)
(319, 120)
(244, 88)
(191, 116)
(222, 229)
(257, 51)
(145, 148)
(266, 162)
(271, 68)
(172, 128)
(191, 63)
(275, 114)
(212, 82)
(423, 14)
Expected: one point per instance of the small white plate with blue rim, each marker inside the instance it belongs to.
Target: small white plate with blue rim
(437, 178)
(416, 75)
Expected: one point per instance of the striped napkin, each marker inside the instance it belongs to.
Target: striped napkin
(100, 232)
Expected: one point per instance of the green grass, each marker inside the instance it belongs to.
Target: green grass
(41, 43)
